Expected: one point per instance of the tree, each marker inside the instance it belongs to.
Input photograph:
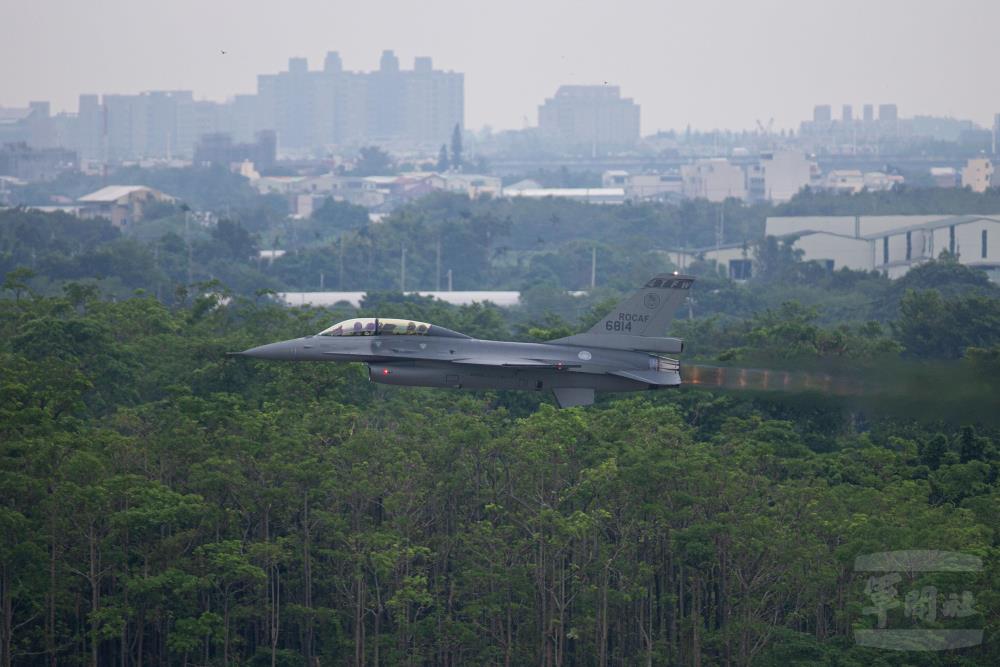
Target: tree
(237, 241)
(456, 147)
(340, 215)
(372, 161)
(932, 451)
(17, 281)
(932, 326)
(442, 162)
(971, 447)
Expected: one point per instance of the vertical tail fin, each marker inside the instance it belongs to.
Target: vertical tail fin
(649, 311)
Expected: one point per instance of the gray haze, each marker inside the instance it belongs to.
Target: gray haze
(709, 64)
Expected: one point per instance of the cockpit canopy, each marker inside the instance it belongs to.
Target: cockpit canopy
(376, 326)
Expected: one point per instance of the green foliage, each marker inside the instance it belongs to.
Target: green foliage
(255, 513)
(340, 216)
(937, 327)
(372, 161)
(442, 161)
(456, 147)
(162, 503)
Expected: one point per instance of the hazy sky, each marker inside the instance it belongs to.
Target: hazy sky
(706, 63)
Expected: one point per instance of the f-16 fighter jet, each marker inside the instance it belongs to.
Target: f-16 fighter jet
(625, 351)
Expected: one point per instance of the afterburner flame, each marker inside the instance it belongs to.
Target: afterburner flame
(765, 379)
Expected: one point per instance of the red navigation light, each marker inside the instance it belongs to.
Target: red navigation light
(385, 371)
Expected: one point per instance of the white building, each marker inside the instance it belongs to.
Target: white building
(779, 176)
(735, 260)
(878, 180)
(504, 299)
(654, 186)
(644, 186)
(585, 195)
(714, 179)
(614, 178)
(944, 177)
(893, 244)
(843, 181)
(978, 175)
(472, 185)
(851, 181)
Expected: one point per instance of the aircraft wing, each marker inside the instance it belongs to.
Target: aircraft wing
(514, 362)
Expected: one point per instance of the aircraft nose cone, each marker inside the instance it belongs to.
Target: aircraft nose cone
(283, 350)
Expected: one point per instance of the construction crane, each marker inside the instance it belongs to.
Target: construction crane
(766, 131)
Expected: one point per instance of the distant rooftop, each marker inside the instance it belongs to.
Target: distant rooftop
(595, 195)
(113, 193)
(459, 298)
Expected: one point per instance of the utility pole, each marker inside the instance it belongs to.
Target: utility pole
(593, 267)
(321, 286)
(187, 241)
(402, 270)
(340, 278)
(449, 280)
(437, 269)
(720, 228)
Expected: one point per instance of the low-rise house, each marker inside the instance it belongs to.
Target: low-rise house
(843, 181)
(473, 185)
(121, 204)
(713, 179)
(945, 177)
(978, 174)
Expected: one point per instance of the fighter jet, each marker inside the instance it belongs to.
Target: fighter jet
(623, 352)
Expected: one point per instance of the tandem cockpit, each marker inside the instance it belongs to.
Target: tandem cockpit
(387, 326)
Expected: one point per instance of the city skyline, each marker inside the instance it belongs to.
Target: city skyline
(707, 66)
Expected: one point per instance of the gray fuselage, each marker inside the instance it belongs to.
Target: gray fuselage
(470, 363)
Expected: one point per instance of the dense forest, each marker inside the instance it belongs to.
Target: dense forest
(163, 504)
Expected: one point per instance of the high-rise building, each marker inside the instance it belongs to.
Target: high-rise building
(434, 100)
(334, 106)
(868, 113)
(888, 112)
(303, 109)
(170, 131)
(125, 127)
(594, 119)
(89, 127)
(218, 148)
(40, 131)
(822, 113)
(847, 113)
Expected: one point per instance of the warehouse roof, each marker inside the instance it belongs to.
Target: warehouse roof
(113, 193)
